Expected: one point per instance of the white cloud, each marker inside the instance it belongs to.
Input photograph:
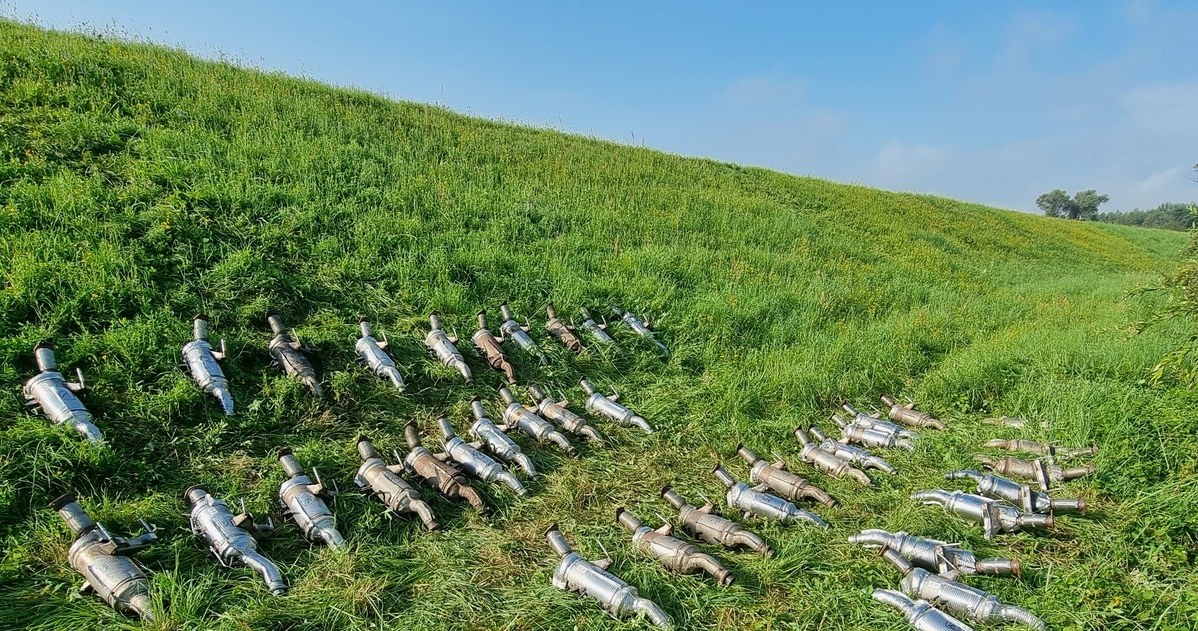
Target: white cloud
(1139, 11)
(946, 50)
(946, 57)
(1170, 185)
(765, 90)
(998, 122)
(1163, 107)
(906, 166)
(760, 120)
(1031, 29)
(1022, 127)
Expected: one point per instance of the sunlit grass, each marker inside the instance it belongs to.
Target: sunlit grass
(139, 187)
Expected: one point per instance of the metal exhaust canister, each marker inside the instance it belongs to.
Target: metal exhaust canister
(605, 405)
(873, 422)
(941, 557)
(304, 503)
(783, 482)
(1040, 471)
(1020, 495)
(475, 462)
(52, 395)
(921, 615)
(386, 484)
(488, 345)
(201, 362)
(561, 331)
(104, 561)
(512, 330)
(232, 540)
(557, 412)
(438, 474)
(908, 415)
(289, 356)
(994, 516)
(591, 578)
(1042, 449)
(373, 354)
(827, 462)
(498, 443)
(640, 327)
(706, 524)
(442, 347)
(756, 502)
(956, 598)
(851, 454)
(599, 331)
(673, 553)
(524, 418)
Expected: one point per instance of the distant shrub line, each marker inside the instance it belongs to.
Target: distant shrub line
(1084, 205)
(1168, 216)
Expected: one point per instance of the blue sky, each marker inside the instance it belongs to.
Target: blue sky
(993, 102)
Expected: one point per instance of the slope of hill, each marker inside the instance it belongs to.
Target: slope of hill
(139, 186)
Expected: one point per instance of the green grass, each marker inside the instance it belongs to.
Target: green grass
(139, 186)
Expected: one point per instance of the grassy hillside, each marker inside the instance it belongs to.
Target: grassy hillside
(139, 186)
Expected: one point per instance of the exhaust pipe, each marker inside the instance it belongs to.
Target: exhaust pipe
(558, 413)
(524, 418)
(851, 454)
(708, 525)
(762, 504)
(371, 353)
(512, 330)
(384, 482)
(201, 362)
(304, 502)
(783, 482)
(922, 616)
(599, 331)
(641, 328)
(438, 474)
(872, 422)
(956, 598)
(1039, 471)
(827, 462)
(943, 558)
(497, 442)
(1020, 495)
(1041, 449)
(475, 462)
(908, 415)
(575, 574)
(442, 347)
(288, 354)
(233, 540)
(606, 406)
(561, 331)
(53, 396)
(104, 560)
(994, 516)
(488, 345)
(673, 553)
